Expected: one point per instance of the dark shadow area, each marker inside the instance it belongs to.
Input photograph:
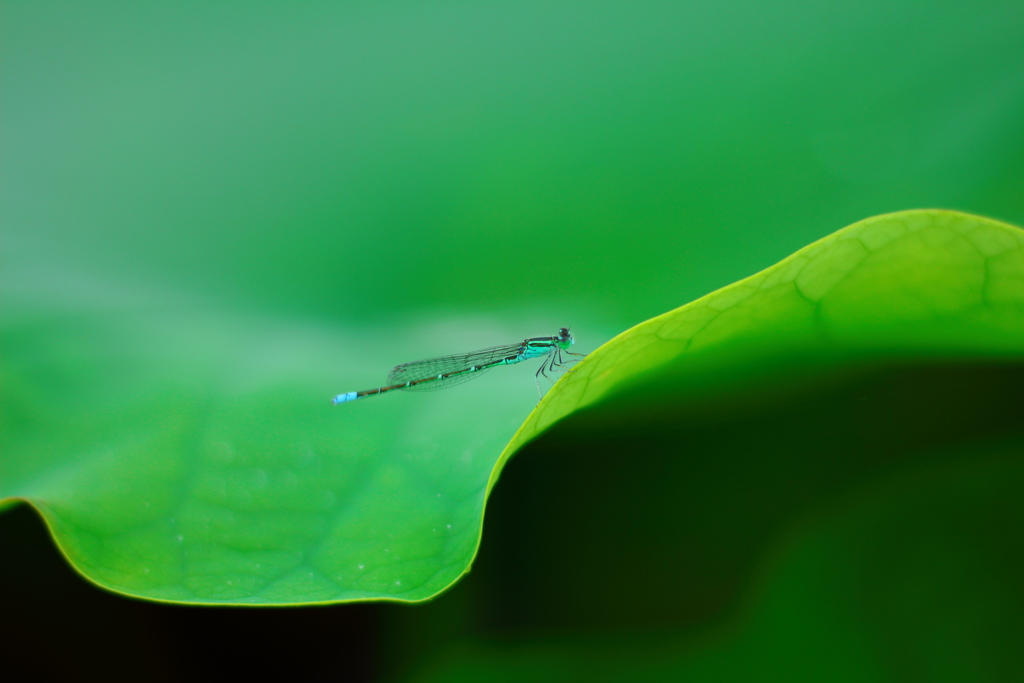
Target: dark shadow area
(56, 626)
(651, 512)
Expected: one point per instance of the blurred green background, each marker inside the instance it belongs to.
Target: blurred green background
(400, 174)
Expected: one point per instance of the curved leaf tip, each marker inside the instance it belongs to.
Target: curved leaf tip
(921, 281)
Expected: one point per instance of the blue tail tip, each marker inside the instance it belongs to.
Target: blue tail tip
(344, 398)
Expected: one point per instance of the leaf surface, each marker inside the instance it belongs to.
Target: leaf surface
(195, 459)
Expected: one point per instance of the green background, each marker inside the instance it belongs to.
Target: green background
(275, 203)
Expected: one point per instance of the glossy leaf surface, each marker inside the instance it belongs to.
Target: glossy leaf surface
(174, 487)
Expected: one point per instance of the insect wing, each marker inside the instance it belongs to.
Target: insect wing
(432, 367)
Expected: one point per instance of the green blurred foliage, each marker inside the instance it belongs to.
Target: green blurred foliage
(276, 202)
(371, 160)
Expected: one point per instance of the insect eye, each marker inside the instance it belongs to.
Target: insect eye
(564, 331)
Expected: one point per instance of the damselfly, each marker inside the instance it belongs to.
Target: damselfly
(447, 371)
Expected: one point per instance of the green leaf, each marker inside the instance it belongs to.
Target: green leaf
(915, 283)
(836, 499)
(193, 457)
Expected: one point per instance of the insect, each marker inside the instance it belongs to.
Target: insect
(448, 371)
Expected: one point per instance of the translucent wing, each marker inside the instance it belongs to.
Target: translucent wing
(432, 367)
(445, 383)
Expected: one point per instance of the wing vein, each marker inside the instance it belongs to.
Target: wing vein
(432, 367)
